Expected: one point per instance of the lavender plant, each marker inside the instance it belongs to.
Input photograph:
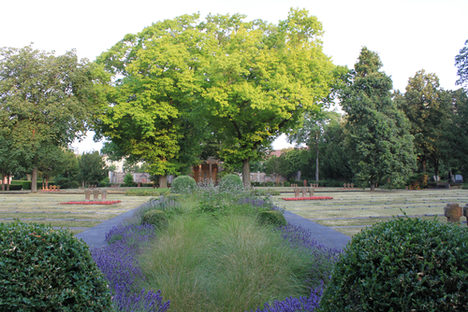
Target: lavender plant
(118, 263)
(292, 304)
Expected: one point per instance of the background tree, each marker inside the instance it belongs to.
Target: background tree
(335, 158)
(49, 100)
(377, 131)
(428, 113)
(311, 133)
(92, 169)
(68, 174)
(461, 62)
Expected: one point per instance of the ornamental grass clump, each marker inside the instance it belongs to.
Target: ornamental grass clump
(118, 263)
(406, 264)
(42, 269)
(183, 185)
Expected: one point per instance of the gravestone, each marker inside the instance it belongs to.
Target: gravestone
(453, 212)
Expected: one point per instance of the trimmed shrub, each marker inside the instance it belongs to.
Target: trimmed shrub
(406, 264)
(42, 269)
(155, 217)
(183, 184)
(271, 217)
(231, 183)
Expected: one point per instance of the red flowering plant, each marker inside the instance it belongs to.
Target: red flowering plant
(309, 198)
(94, 202)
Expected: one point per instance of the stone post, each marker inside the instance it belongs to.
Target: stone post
(87, 194)
(453, 212)
(96, 194)
(104, 194)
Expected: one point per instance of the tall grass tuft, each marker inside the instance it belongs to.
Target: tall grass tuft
(227, 263)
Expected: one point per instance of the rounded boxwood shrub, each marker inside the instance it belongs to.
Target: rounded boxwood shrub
(42, 269)
(155, 217)
(271, 217)
(183, 184)
(406, 264)
(231, 183)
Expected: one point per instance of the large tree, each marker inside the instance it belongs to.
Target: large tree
(92, 169)
(262, 78)
(48, 100)
(181, 80)
(378, 132)
(427, 110)
(461, 61)
(152, 114)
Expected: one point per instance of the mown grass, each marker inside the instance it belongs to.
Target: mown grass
(378, 206)
(223, 262)
(32, 207)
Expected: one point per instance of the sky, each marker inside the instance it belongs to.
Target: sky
(409, 35)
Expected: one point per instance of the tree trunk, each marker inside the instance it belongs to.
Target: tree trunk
(372, 186)
(317, 162)
(34, 181)
(246, 174)
(3, 185)
(163, 181)
(8, 182)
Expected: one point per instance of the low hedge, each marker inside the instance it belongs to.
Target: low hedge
(42, 269)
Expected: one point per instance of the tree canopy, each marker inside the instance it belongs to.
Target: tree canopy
(377, 131)
(48, 100)
(461, 62)
(241, 82)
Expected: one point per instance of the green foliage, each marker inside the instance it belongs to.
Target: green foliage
(461, 61)
(178, 81)
(42, 269)
(51, 100)
(428, 113)
(92, 168)
(183, 184)
(406, 264)
(231, 183)
(128, 180)
(271, 217)
(378, 132)
(155, 217)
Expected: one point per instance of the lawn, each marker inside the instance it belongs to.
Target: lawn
(46, 208)
(351, 210)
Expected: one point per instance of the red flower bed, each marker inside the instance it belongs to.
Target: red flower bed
(94, 202)
(308, 198)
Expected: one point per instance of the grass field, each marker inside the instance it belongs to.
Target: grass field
(46, 208)
(351, 210)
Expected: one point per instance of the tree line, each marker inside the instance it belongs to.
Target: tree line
(185, 89)
(384, 138)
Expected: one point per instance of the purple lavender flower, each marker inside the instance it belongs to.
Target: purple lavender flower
(291, 304)
(118, 263)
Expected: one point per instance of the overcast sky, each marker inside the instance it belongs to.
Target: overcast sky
(409, 35)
